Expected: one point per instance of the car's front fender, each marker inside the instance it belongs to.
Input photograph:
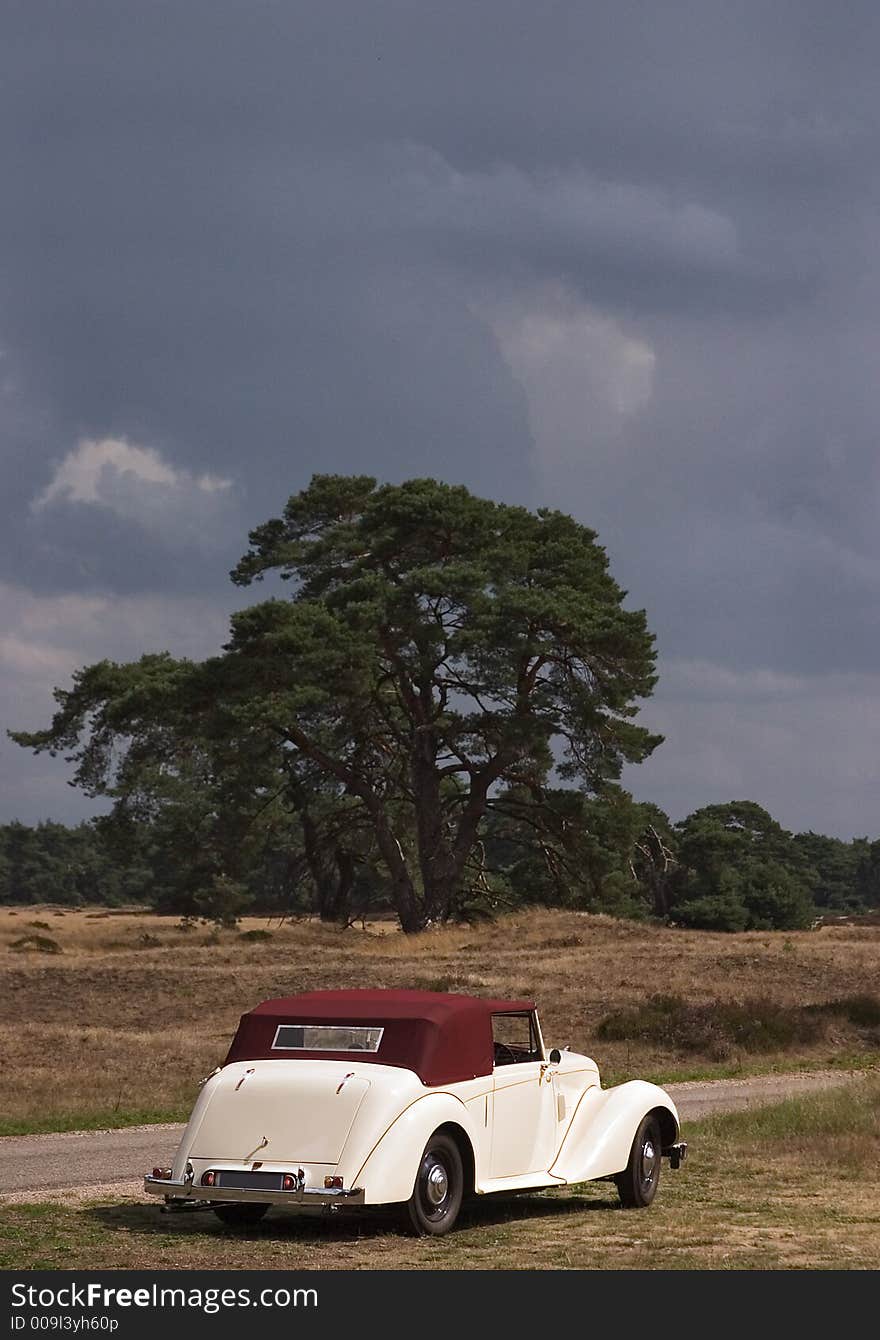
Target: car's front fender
(599, 1138)
(388, 1173)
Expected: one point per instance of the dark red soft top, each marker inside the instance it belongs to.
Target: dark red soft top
(443, 1038)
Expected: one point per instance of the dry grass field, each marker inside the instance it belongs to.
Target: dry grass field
(792, 1186)
(121, 1023)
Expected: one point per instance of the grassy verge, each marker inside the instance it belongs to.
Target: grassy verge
(102, 1119)
(792, 1186)
(745, 1068)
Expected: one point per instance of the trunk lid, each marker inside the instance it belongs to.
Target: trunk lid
(280, 1112)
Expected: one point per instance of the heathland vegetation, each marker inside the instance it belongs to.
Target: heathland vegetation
(132, 1009)
(433, 720)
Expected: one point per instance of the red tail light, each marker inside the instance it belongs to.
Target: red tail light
(209, 1178)
(161, 1174)
(288, 1183)
(333, 1183)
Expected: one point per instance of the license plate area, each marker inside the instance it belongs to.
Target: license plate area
(250, 1181)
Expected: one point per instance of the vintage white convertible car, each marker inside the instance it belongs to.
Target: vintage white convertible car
(374, 1097)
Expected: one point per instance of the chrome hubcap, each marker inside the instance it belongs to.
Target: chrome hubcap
(649, 1161)
(436, 1184)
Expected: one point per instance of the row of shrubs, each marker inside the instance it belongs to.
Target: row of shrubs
(721, 1029)
(45, 944)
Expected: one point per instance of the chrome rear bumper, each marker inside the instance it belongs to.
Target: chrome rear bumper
(184, 1189)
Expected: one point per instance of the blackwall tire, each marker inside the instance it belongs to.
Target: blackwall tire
(437, 1195)
(240, 1214)
(637, 1184)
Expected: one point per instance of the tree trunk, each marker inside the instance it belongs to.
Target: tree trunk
(443, 856)
(436, 860)
(332, 871)
(660, 865)
(407, 905)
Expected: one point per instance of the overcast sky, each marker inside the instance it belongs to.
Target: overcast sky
(616, 258)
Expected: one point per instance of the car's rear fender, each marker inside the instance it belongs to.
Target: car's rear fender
(202, 1103)
(388, 1173)
(600, 1135)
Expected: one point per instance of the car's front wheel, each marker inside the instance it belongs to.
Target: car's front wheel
(436, 1199)
(637, 1184)
(240, 1214)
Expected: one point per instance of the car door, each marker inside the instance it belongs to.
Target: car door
(524, 1121)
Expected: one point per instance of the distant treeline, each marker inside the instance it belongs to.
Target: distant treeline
(725, 867)
(53, 863)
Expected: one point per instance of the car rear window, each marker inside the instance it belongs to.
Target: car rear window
(327, 1038)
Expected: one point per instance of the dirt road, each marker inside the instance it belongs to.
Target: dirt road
(92, 1164)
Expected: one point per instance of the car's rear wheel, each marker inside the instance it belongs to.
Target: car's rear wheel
(436, 1199)
(240, 1214)
(637, 1184)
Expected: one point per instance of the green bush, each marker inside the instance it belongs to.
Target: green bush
(776, 901)
(41, 944)
(863, 1010)
(720, 1029)
(715, 912)
(223, 901)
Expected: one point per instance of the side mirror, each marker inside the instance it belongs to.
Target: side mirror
(555, 1056)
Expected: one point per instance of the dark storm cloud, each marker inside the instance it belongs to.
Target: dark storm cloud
(618, 258)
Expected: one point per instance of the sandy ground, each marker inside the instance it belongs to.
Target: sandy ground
(91, 1165)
